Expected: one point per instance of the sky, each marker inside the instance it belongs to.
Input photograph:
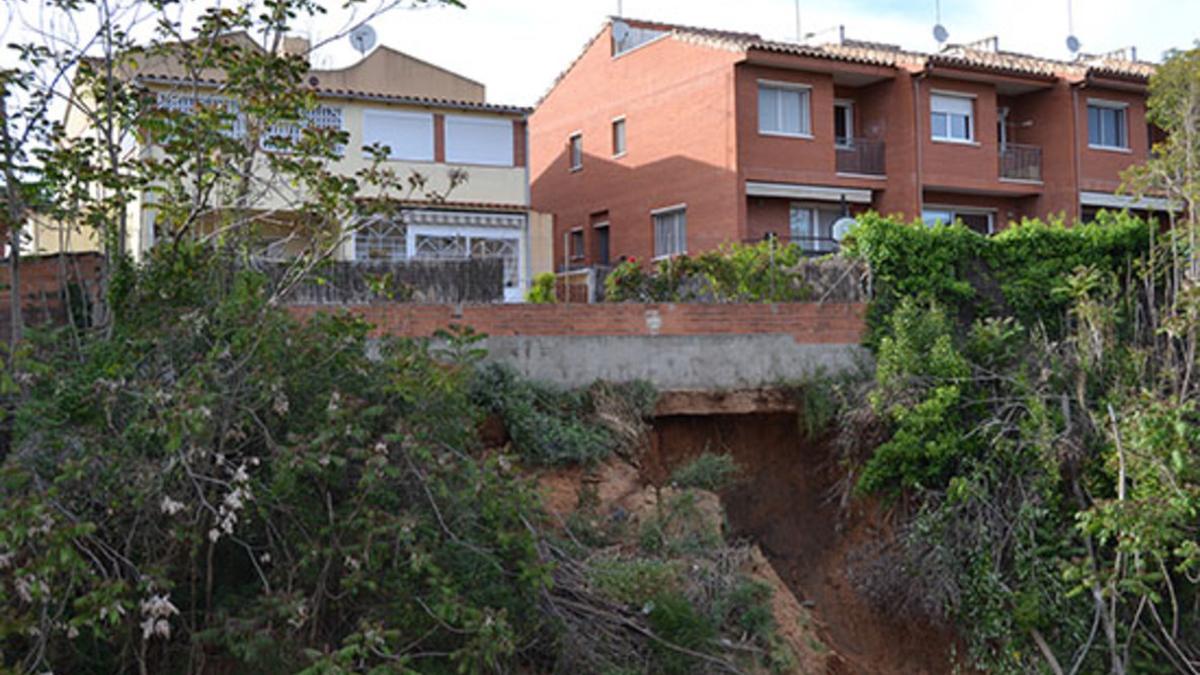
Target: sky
(518, 47)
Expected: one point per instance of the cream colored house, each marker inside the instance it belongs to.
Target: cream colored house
(433, 121)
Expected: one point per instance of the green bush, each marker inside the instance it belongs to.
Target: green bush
(673, 618)
(1013, 273)
(707, 472)
(543, 289)
(214, 477)
(762, 272)
(548, 426)
(635, 582)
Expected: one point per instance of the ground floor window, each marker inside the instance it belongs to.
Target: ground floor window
(388, 239)
(670, 232)
(980, 220)
(811, 227)
(382, 239)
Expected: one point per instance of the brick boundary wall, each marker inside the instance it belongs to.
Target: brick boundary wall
(44, 281)
(807, 323)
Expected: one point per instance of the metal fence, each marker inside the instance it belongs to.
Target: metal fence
(473, 280)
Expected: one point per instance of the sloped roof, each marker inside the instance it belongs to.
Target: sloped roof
(355, 95)
(157, 66)
(968, 57)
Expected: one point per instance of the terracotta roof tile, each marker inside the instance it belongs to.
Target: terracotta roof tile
(155, 78)
(875, 53)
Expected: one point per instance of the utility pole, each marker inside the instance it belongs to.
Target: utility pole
(799, 33)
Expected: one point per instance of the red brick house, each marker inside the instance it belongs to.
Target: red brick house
(662, 139)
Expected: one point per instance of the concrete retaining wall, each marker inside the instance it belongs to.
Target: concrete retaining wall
(675, 346)
(671, 362)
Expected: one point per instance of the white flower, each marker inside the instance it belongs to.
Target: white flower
(241, 476)
(5, 560)
(72, 633)
(324, 460)
(157, 610)
(214, 534)
(170, 506)
(233, 500)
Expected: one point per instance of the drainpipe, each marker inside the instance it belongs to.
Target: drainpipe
(920, 141)
(1076, 162)
(527, 250)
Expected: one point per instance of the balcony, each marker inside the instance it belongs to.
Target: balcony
(861, 156)
(1020, 162)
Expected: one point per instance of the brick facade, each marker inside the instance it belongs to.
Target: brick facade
(46, 283)
(807, 323)
(690, 104)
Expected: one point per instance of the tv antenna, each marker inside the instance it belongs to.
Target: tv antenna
(1072, 41)
(799, 33)
(939, 31)
(363, 38)
(620, 7)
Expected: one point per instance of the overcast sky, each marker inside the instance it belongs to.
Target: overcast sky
(517, 47)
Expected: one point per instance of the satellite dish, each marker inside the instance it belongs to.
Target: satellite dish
(1073, 44)
(363, 38)
(620, 32)
(940, 33)
(841, 226)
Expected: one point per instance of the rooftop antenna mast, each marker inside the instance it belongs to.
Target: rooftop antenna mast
(939, 31)
(1072, 41)
(620, 7)
(799, 33)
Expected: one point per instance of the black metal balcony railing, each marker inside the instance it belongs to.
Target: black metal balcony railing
(810, 245)
(1020, 162)
(862, 156)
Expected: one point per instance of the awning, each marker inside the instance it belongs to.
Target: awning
(819, 193)
(1108, 200)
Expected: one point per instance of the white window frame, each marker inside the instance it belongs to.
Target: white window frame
(848, 115)
(463, 153)
(426, 154)
(972, 138)
(680, 236)
(575, 164)
(955, 211)
(1107, 104)
(619, 122)
(805, 90)
(814, 242)
(513, 293)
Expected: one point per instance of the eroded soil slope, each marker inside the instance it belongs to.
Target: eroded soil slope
(785, 502)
